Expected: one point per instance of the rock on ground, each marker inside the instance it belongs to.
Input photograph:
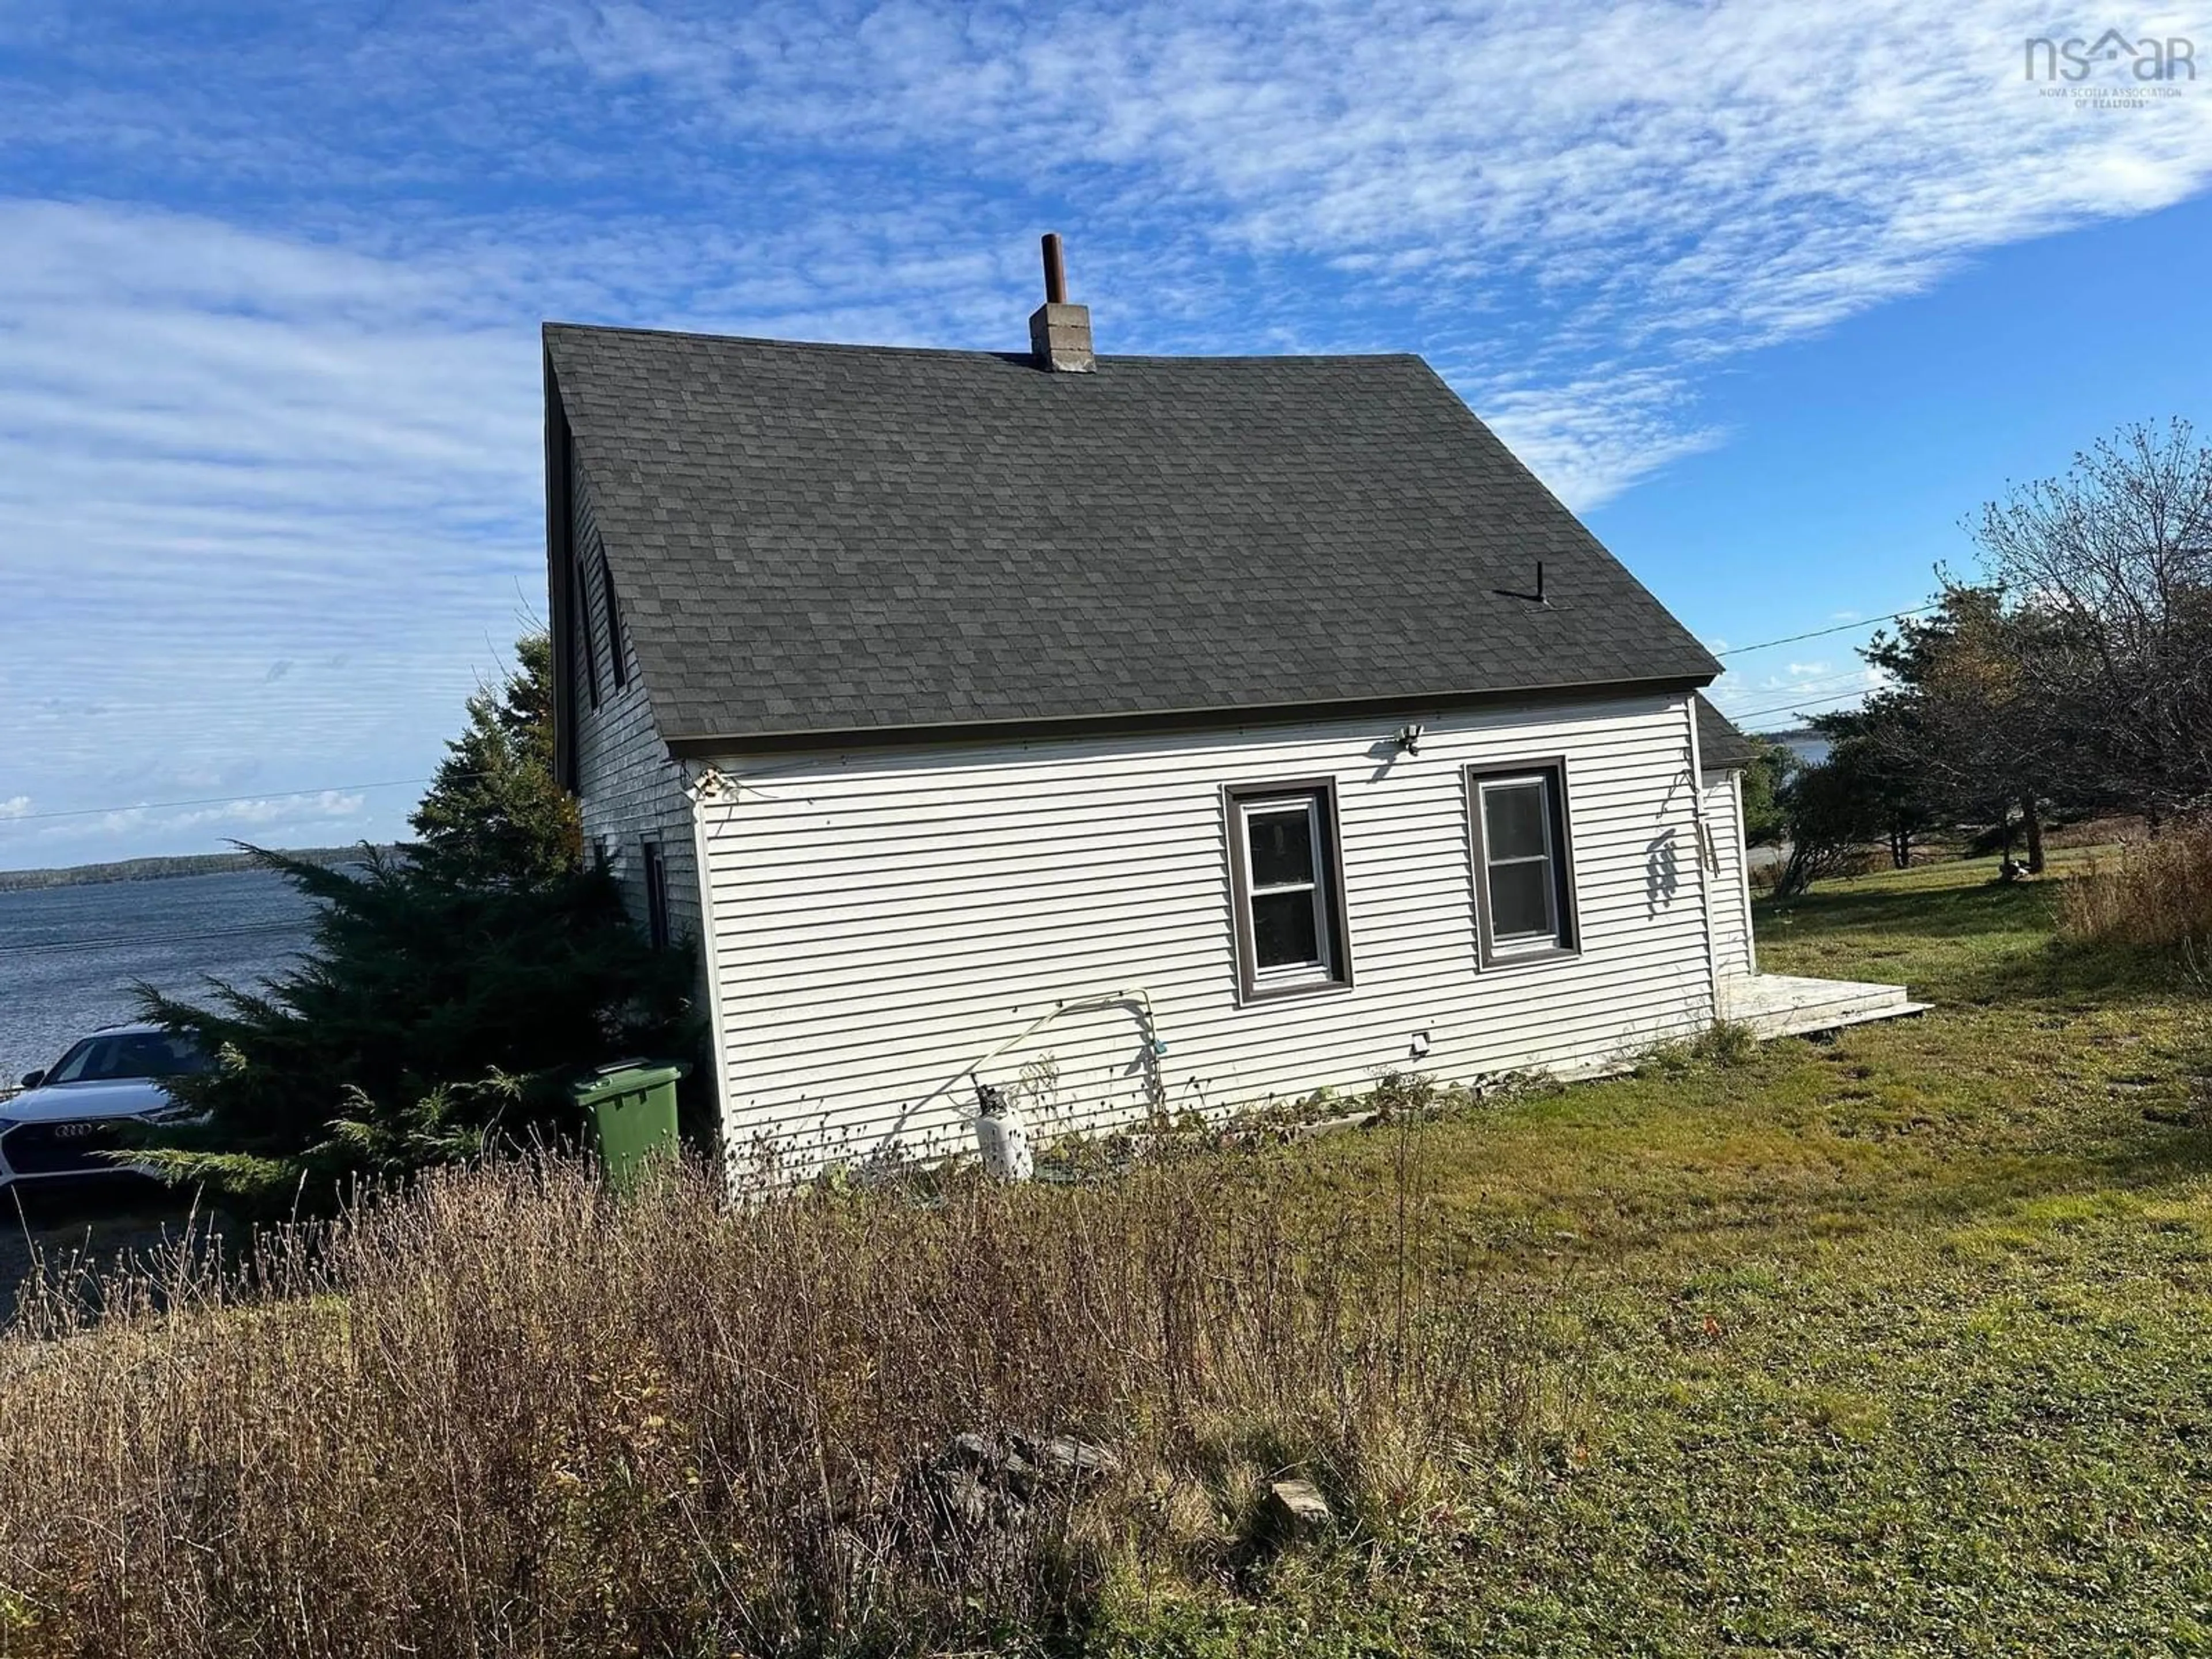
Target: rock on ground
(1294, 1509)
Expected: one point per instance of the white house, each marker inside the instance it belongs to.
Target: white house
(1133, 733)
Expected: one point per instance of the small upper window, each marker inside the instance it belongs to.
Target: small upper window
(656, 897)
(615, 663)
(1523, 870)
(1288, 888)
(582, 611)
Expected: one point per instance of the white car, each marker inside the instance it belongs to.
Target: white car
(69, 1112)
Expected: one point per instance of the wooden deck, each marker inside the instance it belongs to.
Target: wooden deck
(1783, 1005)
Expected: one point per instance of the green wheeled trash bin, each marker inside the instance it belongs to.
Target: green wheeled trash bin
(632, 1103)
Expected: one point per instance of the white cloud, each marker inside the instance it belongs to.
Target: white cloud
(1769, 699)
(220, 453)
(288, 809)
(272, 479)
(1676, 185)
(16, 806)
(1579, 210)
(1590, 438)
(281, 820)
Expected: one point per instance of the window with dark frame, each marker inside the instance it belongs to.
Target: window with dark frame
(656, 897)
(1523, 862)
(620, 670)
(1287, 889)
(583, 619)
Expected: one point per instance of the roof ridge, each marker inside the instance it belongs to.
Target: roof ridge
(550, 327)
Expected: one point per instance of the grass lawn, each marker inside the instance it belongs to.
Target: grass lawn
(1899, 1343)
(1895, 1343)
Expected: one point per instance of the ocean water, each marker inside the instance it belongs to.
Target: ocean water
(69, 956)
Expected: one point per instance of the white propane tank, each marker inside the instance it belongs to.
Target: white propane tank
(1000, 1136)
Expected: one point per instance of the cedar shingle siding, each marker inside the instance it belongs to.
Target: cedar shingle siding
(630, 790)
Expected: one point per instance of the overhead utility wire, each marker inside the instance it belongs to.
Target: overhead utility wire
(1818, 633)
(226, 800)
(398, 783)
(1795, 707)
(1800, 687)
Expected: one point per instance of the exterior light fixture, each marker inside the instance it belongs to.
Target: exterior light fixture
(1408, 739)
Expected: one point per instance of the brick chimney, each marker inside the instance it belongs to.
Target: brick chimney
(1059, 333)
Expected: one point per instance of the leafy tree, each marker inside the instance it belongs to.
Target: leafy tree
(1963, 735)
(1879, 749)
(1764, 823)
(451, 992)
(495, 814)
(1830, 811)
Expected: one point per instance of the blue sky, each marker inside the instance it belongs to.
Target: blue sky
(1773, 293)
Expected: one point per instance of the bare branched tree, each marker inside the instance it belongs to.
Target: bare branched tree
(2112, 567)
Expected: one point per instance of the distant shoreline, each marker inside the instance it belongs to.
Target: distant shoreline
(161, 869)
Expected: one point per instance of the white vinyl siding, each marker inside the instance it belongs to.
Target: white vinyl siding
(1733, 950)
(887, 918)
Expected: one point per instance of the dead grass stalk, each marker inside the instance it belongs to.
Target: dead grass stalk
(501, 1414)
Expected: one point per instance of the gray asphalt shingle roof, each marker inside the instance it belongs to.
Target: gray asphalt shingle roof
(830, 538)
(1721, 747)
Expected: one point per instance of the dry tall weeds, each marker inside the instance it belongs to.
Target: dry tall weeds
(505, 1416)
(2156, 893)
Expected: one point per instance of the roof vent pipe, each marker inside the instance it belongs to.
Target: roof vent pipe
(1055, 271)
(1059, 333)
